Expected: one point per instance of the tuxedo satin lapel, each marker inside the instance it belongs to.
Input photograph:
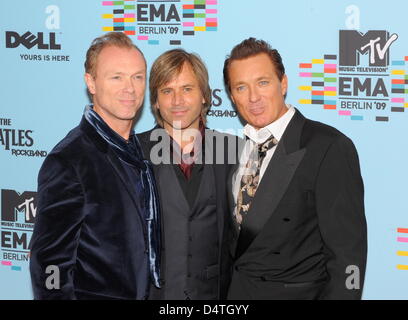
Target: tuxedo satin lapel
(274, 183)
(240, 149)
(231, 203)
(270, 191)
(231, 199)
(235, 229)
(230, 187)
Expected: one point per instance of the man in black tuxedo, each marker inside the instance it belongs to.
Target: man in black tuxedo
(97, 229)
(300, 229)
(191, 166)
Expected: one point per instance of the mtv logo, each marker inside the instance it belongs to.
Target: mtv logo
(353, 43)
(14, 204)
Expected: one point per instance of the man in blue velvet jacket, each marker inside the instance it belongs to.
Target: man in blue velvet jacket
(97, 230)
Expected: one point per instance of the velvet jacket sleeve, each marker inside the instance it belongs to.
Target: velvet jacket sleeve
(56, 231)
(340, 209)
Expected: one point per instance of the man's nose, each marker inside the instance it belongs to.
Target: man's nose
(253, 94)
(178, 98)
(129, 85)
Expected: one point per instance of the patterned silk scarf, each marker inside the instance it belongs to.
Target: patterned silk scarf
(250, 178)
(131, 153)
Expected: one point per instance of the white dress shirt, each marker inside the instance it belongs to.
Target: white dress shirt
(277, 128)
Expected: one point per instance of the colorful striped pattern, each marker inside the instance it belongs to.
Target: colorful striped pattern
(123, 13)
(322, 86)
(399, 85)
(198, 15)
(403, 237)
(202, 14)
(10, 264)
(348, 113)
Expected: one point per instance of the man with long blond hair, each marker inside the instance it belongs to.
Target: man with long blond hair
(191, 166)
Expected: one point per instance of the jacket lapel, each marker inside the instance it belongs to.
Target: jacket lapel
(235, 226)
(120, 171)
(220, 192)
(240, 148)
(209, 159)
(274, 183)
(103, 146)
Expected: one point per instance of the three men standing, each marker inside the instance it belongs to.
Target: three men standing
(297, 198)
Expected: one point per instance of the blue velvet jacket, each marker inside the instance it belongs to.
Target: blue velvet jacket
(89, 224)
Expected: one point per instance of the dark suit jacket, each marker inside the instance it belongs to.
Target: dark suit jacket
(306, 223)
(224, 149)
(88, 223)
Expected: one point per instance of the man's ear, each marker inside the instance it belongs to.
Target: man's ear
(232, 98)
(284, 85)
(90, 83)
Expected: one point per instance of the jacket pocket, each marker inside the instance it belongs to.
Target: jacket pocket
(304, 284)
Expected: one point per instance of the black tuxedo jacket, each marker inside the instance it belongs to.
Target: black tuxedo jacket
(306, 224)
(224, 151)
(88, 224)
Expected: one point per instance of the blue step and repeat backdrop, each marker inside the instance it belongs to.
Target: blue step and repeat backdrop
(347, 64)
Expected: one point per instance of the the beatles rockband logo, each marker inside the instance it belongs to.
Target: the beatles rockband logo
(19, 142)
(157, 22)
(47, 42)
(18, 211)
(362, 82)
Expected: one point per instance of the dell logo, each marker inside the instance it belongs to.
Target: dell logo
(29, 40)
